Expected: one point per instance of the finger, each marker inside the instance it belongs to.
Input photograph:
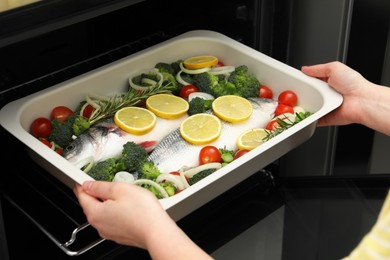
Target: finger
(99, 189)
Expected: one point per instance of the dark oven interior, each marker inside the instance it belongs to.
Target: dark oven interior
(39, 213)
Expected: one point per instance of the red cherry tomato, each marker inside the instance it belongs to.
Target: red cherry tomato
(40, 127)
(61, 113)
(282, 108)
(59, 151)
(186, 90)
(175, 173)
(46, 142)
(209, 154)
(87, 111)
(239, 153)
(288, 98)
(178, 174)
(220, 64)
(265, 92)
(272, 125)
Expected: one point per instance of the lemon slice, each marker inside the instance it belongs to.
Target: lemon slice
(167, 106)
(201, 128)
(251, 138)
(232, 108)
(135, 120)
(198, 62)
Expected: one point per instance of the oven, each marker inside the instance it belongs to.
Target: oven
(296, 207)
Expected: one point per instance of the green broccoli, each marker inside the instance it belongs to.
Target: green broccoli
(148, 170)
(148, 79)
(169, 188)
(200, 175)
(80, 125)
(62, 133)
(132, 156)
(206, 82)
(187, 78)
(164, 67)
(104, 170)
(247, 85)
(199, 105)
(227, 156)
(224, 88)
(168, 74)
(176, 66)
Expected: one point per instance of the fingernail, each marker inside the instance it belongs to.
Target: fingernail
(87, 185)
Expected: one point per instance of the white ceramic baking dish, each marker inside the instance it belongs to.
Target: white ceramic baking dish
(314, 95)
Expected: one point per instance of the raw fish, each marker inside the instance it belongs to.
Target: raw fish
(173, 152)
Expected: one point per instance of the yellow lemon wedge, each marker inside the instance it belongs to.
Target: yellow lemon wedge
(135, 120)
(201, 128)
(251, 138)
(232, 108)
(202, 61)
(167, 106)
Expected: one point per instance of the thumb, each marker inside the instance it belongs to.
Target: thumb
(99, 189)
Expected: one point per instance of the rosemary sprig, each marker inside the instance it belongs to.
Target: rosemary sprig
(108, 107)
(285, 124)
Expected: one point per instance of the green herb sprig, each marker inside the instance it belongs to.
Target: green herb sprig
(285, 124)
(106, 108)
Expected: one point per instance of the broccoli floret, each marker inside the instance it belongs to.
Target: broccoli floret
(187, 78)
(199, 105)
(132, 156)
(168, 74)
(164, 67)
(169, 188)
(200, 175)
(148, 170)
(227, 156)
(104, 170)
(224, 88)
(148, 79)
(61, 133)
(206, 82)
(216, 85)
(80, 125)
(247, 85)
(176, 66)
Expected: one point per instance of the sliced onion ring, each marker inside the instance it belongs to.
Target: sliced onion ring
(88, 161)
(123, 176)
(174, 179)
(204, 95)
(139, 87)
(191, 172)
(222, 70)
(181, 80)
(154, 184)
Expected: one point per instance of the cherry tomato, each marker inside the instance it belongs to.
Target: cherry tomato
(265, 92)
(59, 151)
(220, 64)
(288, 98)
(46, 142)
(282, 108)
(209, 154)
(87, 111)
(239, 153)
(175, 173)
(61, 113)
(40, 127)
(186, 90)
(272, 125)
